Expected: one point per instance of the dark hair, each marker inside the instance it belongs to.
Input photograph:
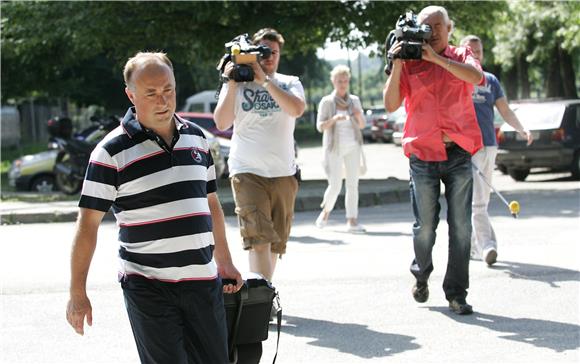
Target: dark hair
(268, 34)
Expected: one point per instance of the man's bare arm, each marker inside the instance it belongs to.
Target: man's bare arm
(222, 254)
(511, 118)
(463, 71)
(224, 112)
(289, 103)
(84, 243)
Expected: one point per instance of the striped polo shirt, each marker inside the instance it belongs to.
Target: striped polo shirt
(159, 197)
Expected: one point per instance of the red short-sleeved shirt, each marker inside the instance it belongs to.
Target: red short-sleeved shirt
(438, 103)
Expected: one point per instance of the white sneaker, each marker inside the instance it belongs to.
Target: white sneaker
(358, 228)
(475, 255)
(320, 222)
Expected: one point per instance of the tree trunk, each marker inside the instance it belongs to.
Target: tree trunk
(553, 78)
(567, 74)
(523, 79)
(510, 83)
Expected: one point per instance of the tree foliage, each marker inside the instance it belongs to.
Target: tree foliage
(65, 46)
(76, 50)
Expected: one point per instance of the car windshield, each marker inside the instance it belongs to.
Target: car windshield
(397, 113)
(375, 111)
(540, 116)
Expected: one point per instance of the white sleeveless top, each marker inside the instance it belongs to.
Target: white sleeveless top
(346, 137)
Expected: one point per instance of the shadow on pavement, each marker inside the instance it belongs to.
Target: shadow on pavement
(553, 335)
(352, 339)
(387, 233)
(544, 203)
(312, 240)
(540, 273)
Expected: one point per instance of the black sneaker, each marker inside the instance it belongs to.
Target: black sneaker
(491, 257)
(421, 292)
(460, 307)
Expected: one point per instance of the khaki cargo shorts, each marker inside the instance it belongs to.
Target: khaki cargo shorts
(265, 209)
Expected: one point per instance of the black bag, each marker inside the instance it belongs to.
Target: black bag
(248, 315)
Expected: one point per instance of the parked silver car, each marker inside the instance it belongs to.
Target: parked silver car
(33, 172)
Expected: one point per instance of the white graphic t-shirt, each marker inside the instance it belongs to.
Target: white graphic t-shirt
(263, 139)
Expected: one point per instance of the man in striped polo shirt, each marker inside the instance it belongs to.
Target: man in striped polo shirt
(156, 172)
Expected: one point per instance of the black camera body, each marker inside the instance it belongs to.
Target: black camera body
(411, 34)
(241, 52)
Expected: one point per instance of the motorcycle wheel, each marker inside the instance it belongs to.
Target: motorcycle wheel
(68, 184)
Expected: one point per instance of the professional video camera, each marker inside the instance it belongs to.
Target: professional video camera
(241, 51)
(407, 30)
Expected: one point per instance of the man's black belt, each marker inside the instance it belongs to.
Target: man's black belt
(449, 144)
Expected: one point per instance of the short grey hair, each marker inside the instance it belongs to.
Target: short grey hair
(470, 38)
(142, 59)
(432, 9)
(339, 70)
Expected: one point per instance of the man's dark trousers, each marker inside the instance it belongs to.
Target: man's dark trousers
(426, 177)
(181, 322)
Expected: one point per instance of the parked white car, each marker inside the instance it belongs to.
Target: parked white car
(398, 129)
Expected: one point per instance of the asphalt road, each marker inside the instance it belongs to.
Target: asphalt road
(346, 297)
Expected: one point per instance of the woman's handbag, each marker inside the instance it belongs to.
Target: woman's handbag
(248, 314)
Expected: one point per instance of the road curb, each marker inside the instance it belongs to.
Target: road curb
(376, 192)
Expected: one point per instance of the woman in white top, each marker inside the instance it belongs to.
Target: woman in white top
(340, 119)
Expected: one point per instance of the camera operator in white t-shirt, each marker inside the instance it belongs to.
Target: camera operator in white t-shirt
(262, 168)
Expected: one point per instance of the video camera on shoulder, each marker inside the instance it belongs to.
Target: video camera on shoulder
(412, 34)
(242, 52)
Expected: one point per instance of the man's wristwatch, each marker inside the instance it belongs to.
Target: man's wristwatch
(266, 82)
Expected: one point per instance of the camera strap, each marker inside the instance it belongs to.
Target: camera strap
(241, 295)
(278, 324)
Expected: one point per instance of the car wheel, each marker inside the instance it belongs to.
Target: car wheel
(503, 169)
(519, 174)
(43, 184)
(576, 166)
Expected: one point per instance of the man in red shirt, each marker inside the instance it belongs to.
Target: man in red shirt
(440, 135)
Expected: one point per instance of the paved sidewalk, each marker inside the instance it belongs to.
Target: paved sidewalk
(372, 192)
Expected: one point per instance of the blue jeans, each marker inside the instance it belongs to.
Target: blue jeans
(425, 186)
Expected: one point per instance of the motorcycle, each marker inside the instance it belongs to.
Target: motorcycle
(74, 152)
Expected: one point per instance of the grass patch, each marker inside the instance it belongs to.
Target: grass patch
(10, 154)
(36, 197)
(4, 187)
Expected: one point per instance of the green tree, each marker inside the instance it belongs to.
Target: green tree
(76, 50)
(69, 48)
(543, 38)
